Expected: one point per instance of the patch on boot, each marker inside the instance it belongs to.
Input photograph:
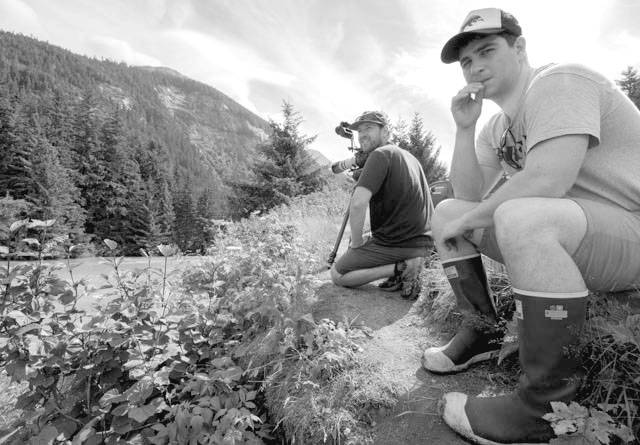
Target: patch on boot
(518, 313)
(451, 272)
(556, 312)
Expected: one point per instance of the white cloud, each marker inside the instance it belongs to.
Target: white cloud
(118, 51)
(17, 16)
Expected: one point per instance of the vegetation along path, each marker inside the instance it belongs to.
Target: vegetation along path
(397, 335)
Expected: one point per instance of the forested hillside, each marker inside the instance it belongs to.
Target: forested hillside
(137, 154)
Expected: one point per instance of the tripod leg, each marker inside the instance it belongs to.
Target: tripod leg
(332, 255)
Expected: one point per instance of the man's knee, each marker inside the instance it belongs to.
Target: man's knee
(448, 210)
(335, 275)
(514, 221)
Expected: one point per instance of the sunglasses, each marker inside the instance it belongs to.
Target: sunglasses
(510, 151)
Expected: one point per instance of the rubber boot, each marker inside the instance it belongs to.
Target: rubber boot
(549, 326)
(478, 339)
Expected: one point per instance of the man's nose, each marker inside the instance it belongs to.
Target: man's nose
(477, 69)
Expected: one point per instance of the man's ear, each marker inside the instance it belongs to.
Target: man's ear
(521, 45)
(386, 134)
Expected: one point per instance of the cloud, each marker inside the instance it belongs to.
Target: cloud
(225, 65)
(118, 51)
(176, 13)
(17, 16)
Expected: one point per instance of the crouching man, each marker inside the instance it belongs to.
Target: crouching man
(567, 220)
(394, 188)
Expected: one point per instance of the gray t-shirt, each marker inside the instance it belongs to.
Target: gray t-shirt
(398, 206)
(572, 99)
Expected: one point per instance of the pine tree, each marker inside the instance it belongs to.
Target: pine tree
(283, 167)
(56, 195)
(90, 172)
(144, 230)
(630, 84)
(205, 214)
(16, 170)
(184, 232)
(421, 144)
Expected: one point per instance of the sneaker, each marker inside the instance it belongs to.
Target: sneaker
(391, 284)
(394, 282)
(411, 289)
(411, 285)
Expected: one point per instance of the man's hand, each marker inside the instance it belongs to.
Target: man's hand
(454, 229)
(466, 106)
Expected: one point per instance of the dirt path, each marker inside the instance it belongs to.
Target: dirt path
(399, 337)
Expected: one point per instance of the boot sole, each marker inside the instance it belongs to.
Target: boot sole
(473, 360)
(452, 417)
(482, 441)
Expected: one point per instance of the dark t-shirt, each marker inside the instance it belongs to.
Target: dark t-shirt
(398, 207)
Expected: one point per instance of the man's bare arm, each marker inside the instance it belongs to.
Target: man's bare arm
(357, 212)
(470, 180)
(551, 169)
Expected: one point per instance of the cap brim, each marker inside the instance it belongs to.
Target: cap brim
(451, 49)
(355, 125)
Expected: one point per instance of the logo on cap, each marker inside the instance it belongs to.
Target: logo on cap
(471, 22)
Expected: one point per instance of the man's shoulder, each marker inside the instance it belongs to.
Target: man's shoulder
(388, 148)
(570, 69)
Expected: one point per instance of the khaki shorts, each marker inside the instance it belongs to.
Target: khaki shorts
(371, 254)
(609, 255)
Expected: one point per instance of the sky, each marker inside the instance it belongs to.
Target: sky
(331, 59)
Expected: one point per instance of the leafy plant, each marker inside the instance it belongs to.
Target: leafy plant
(575, 424)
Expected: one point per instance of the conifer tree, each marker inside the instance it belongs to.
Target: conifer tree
(630, 84)
(184, 232)
(421, 144)
(16, 170)
(281, 168)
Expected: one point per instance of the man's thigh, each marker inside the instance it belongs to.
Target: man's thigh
(372, 254)
(609, 255)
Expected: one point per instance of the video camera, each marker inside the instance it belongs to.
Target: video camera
(355, 163)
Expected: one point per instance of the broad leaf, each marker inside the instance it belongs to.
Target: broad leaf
(142, 413)
(18, 224)
(111, 244)
(46, 437)
(109, 397)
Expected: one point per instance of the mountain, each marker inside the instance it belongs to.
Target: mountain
(140, 155)
(160, 102)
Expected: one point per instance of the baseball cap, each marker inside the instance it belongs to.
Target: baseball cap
(480, 21)
(375, 117)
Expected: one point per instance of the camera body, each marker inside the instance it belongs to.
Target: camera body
(356, 162)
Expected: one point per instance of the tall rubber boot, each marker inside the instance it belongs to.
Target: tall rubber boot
(549, 326)
(478, 339)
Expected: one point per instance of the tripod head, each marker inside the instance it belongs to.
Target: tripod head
(344, 131)
(355, 162)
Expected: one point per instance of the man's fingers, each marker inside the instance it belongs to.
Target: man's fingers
(451, 243)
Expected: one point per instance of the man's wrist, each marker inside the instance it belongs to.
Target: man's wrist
(466, 129)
